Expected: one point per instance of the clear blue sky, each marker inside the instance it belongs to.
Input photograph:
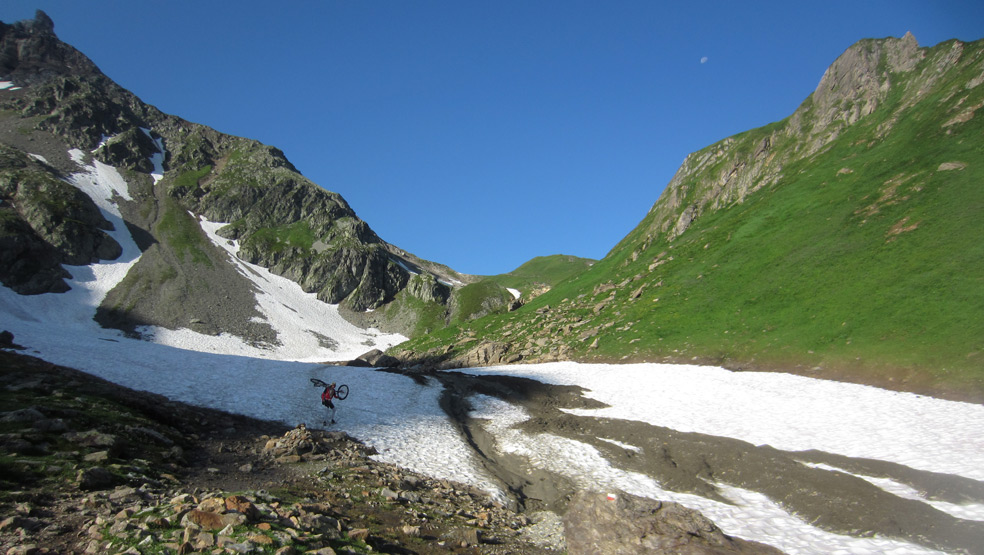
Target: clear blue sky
(482, 134)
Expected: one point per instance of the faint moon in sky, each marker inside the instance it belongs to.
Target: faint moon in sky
(703, 60)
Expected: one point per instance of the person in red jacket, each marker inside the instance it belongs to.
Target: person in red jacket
(326, 396)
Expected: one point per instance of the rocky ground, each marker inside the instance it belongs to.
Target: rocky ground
(87, 466)
(90, 467)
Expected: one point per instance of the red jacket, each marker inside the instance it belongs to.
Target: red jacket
(328, 394)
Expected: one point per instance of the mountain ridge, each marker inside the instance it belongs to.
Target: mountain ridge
(281, 220)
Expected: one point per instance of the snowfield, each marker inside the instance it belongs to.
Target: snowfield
(402, 419)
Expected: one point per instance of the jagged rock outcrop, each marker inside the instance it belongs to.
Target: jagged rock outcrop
(375, 359)
(44, 223)
(30, 52)
(624, 524)
(727, 172)
(426, 287)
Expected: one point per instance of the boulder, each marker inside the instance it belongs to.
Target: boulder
(6, 340)
(243, 506)
(487, 353)
(627, 524)
(207, 520)
(376, 359)
(96, 478)
(29, 415)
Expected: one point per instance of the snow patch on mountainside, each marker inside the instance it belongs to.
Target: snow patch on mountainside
(157, 159)
(308, 329)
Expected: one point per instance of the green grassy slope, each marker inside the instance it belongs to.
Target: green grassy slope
(541, 273)
(863, 260)
(487, 295)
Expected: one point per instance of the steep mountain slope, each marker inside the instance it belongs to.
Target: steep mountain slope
(843, 241)
(60, 116)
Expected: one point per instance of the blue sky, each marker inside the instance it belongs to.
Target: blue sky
(482, 134)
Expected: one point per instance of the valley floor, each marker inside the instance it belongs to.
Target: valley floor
(805, 465)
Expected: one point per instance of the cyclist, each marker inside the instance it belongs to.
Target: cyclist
(326, 396)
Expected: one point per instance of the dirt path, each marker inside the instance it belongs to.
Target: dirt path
(693, 463)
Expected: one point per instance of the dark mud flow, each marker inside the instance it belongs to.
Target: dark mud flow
(694, 463)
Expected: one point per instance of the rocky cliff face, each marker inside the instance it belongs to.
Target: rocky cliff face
(44, 223)
(853, 87)
(31, 53)
(61, 101)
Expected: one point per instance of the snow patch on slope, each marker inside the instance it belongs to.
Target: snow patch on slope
(751, 515)
(848, 419)
(157, 159)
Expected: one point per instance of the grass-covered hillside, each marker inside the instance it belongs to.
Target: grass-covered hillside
(541, 273)
(844, 241)
(425, 307)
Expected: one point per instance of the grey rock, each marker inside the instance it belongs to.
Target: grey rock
(28, 415)
(389, 494)
(96, 478)
(487, 352)
(93, 438)
(151, 434)
(376, 359)
(628, 524)
(30, 52)
(51, 223)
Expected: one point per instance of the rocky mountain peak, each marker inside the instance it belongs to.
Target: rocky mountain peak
(861, 77)
(30, 53)
(852, 88)
(42, 22)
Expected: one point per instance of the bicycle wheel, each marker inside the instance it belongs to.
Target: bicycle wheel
(341, 392)
(318, 383)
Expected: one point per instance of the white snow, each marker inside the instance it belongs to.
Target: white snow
(516, 293)
(403, 265)
(38, 157)
(73, 310)
(5, 85)
(296, 316)
(404, 422)
(752, 515)
(785, 411)
(100, 181)
(157, 159)
(625, 446)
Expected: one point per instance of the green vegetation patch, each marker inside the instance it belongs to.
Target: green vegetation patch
(188, 181)
(542, 271)
(419, 317)
(276, 239)
(479, 299)
(179, 230)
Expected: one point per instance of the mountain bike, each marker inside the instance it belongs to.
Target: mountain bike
(341, 391)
